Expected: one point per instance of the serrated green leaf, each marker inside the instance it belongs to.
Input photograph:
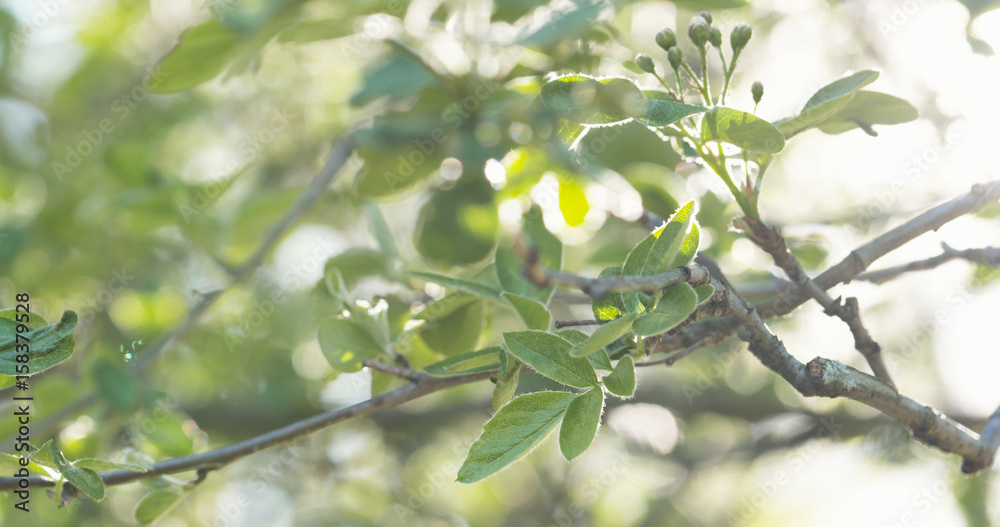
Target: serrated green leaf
(869, 108)
(620, 147)
(475, 288)
(533, 314)
(456, 333)
(156, 505)
(612, 305)
(46, 346)
(473, 362)
(548, 355)
(676, 304)
(346, 345)
(34, 320)
(688, 248)
(621, 382)
(84, 479)
(826, 102)
(659, 110)
(579, 426)
(506, 384)
(742, 129)
(604, 334)
(103, 465)
(512, 432)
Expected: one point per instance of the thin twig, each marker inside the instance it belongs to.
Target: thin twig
(559, 324)
(224, 455)
(988, 256)
(772, 242)
(669, 361)
(826, 378)
(847, 269)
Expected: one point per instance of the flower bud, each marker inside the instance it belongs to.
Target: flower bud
(674, 57)
(666, 39)
(715, 37)
(757, 90)
(645, 63)
(740, 36)
(698, 31)
(706, 16)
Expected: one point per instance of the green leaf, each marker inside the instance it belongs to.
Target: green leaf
(688, 249)
(355, 264)
(315, 31)
(868, 108)
(563, 24)
(676, 304)
(572, 202)
(620, 147)
(532, 313)
(826, 102)
(660, 110)
(600, 360)
(473, 362)
(506, 384)
(84, 479)
(579, 426)
(115, 385)
(201, 53)
(604, 334)
(32, 320)
(742, 129)
(512, 432)
(346, 345)
(475, 288)
(103, 465)
(456, 333)
(621, 382)
(612, 305)
(13, 463)
(156, 505)
(43, 455)
(400, 75)
(510, 268)
(47, 346)
(704, 292)
(548, 354)
(586, 100)
(444, 307)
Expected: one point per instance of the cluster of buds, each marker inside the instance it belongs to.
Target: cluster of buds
(702, 33)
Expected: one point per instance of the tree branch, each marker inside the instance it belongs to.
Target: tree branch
(988, 256)
(827, 378)
(772, 242)
(844, 271)
(222, 456)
